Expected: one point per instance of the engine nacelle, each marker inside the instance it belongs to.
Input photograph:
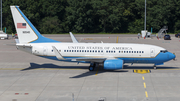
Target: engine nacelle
(113, 64)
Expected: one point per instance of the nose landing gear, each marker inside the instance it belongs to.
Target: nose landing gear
(154, 67)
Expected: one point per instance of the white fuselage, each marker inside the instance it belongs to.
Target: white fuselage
(95, 50)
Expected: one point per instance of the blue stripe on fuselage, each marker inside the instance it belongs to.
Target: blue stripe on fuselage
(40, 39)
(159, 59)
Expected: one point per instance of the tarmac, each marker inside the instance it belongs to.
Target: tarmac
(25, 77)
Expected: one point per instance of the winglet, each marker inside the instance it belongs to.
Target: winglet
(73, 38)
(58, 54)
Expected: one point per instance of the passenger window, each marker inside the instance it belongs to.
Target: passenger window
(82, 50)
(106, 51)
(129, 51)
(64, 50)
(74, 50)
(87, 50)
(69, 50)
(119, 51)
(90, 51)
(101, 51)
(79, 50)
(98, 50)
(134, 51)
(111, 51)
(124, 51)
(142, 51)
(139, 51)
(114, 51)
(95, 50)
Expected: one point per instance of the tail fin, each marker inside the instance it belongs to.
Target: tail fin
(27, 33)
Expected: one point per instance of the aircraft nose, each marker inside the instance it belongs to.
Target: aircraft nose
(172, 56)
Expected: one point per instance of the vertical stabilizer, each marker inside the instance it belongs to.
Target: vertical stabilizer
(27, 33)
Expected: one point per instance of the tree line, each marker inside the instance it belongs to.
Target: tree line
(95, 16)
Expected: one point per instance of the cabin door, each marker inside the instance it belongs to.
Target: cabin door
(152, 52)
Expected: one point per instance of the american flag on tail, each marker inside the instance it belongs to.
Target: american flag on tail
(21, 25)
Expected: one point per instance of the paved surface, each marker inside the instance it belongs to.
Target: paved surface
(24, 77)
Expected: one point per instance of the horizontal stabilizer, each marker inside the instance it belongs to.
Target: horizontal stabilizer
(73, 38)
(57, 53)
(23, 45)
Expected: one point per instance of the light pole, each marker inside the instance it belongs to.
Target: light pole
(1, 15)
(145, 17)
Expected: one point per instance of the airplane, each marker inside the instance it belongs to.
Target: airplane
(111, 56)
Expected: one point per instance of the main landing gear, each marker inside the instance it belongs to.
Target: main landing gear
(92, 66)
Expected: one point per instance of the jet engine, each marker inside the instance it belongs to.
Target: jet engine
(113, 64)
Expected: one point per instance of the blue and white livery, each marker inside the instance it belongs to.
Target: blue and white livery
(109, 55)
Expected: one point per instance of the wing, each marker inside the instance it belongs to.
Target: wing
(89, 59)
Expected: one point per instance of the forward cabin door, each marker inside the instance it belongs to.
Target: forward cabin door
(152, 52)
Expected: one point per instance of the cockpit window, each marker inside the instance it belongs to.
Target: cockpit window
(164, 51)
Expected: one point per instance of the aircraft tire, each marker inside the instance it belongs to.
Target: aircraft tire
(154, 67)
(91, 68)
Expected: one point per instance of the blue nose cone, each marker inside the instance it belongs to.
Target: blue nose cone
(171, 56)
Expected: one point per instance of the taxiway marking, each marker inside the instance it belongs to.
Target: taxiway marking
(144, 85)
(146, 93)
(143, 77)
(117, 39)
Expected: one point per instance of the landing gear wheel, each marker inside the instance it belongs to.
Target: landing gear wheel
(91, 68)
(154, 67)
